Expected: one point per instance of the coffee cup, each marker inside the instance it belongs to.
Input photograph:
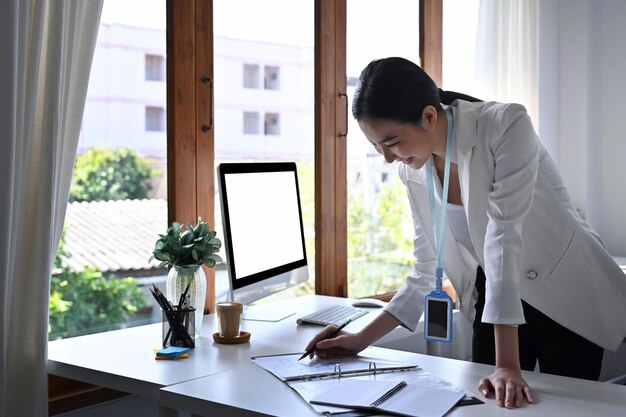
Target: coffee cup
(229, 318)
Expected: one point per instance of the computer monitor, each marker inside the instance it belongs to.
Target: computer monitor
(263, 231)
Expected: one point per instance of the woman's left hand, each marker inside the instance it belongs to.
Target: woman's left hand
(509, 386)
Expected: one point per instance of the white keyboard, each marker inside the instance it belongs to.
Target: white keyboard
(336, 315)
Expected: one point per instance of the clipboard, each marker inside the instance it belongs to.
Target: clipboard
(287, 368)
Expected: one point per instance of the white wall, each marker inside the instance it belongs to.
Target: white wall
(582, 116)
(582, 111)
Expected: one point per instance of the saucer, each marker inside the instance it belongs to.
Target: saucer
(242, 338)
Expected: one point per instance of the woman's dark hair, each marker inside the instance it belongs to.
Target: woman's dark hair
(399, 90)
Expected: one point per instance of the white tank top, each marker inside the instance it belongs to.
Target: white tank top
(458, 222)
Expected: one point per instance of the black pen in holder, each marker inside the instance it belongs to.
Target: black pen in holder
(179, 327)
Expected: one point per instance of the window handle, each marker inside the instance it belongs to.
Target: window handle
(342, 134)
(208, 81)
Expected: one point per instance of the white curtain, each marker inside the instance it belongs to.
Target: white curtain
(47, 48)
(507, 52)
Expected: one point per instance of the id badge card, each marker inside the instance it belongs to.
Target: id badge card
(438, 317)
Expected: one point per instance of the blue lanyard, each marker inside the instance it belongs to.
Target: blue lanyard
(444, 201)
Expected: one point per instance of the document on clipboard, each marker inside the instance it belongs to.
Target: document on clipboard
(287, 368)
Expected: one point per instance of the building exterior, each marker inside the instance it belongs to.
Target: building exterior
(264, 104)
(127, 92)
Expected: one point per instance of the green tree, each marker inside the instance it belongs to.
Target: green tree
(306, 186)
(379, 243)
(361, 226)
(110, 174)
(87, 301)
(393, 224)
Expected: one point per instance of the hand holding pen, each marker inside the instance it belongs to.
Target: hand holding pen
(332, 335)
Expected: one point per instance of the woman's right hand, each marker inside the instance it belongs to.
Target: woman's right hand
(351, 344)
(343, 344)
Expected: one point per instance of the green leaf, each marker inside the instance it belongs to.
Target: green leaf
(195, 245)
(216, 258)
(186, 237)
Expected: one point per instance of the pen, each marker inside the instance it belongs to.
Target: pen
(181, 300)
(333, 334)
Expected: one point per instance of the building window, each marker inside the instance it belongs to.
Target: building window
(272, 78)
(155, 119)
(155, 68)
(251, 123)
(251, 75)
(272, 124)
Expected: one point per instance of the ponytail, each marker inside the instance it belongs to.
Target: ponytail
(448, 97)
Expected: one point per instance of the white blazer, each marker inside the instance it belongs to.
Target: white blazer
(530, 241)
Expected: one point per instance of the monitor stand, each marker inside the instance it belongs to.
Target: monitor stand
(265, 312)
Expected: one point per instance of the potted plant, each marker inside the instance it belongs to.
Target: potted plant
(185, 249)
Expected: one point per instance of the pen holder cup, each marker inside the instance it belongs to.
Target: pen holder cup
(179, 327)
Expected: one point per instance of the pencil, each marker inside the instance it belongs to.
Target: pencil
(333, 334)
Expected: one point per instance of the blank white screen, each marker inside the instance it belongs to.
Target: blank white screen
(264, 221)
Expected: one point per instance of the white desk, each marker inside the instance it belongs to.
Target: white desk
(250, 391)
(221, 380)
(124, 360)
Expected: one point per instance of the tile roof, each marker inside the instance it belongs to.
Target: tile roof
(115, 236)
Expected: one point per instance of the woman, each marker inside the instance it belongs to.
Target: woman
(528, 270)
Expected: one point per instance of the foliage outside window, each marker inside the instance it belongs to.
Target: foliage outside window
(110, 174)
(88, 301)
(379, 247)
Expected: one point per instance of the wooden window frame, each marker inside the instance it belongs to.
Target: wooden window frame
(331, 263)
(191, 151)
(190, 124)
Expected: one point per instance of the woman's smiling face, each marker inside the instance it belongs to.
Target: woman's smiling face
(411, 144)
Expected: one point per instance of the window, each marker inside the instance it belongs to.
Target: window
(251, 75)
(251, 122)
(155, 119)
(265, 37)
(272, 81)
(155, 68)
(379, 221)
(272, 124)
